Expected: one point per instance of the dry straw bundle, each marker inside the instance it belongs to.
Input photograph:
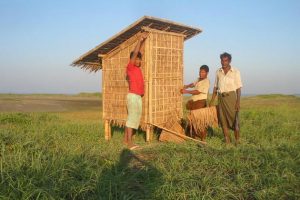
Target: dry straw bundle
(174, 125)
(201, 119)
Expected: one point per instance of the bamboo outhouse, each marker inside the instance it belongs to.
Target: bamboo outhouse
(162, 68)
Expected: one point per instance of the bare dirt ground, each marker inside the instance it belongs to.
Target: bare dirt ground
(47, 103)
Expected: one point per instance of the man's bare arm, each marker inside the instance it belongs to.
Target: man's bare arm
(138, 46)
(213, 96)
(238, 98)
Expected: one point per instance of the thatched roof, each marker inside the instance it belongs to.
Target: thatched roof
(92, 61)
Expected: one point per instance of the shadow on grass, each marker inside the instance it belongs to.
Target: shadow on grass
(118, 130)
(131, 178)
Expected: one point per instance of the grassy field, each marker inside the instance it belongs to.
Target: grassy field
(52, 147)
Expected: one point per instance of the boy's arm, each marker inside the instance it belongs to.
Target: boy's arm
(184, 91)
(188, 86)
(193, 92)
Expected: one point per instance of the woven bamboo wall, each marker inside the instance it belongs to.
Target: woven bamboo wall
(165, 57)
(162, 68)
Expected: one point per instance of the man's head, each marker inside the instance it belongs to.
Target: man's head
(138, 59)
(225, 59)
(203, 71)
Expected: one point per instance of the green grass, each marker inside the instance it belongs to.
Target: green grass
(63, 155)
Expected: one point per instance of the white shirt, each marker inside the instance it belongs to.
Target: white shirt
(203, 87)
(228, 82)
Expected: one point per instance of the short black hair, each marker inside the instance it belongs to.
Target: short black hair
(205, 67)
(225, 55)
(139, 55)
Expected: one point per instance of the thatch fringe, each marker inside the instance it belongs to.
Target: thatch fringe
(122, 124)
(201, 119)
(91, 67)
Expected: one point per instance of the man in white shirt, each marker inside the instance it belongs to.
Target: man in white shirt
(228, 85)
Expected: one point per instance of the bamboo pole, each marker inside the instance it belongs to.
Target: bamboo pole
(103, 98)
(151, 69)
(109, 130)
(106, 130)
(148, 133)
(179, 135)
(145, 28)
(182, 72)
(146, 77)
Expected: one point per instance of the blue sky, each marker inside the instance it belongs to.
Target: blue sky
(39, 40)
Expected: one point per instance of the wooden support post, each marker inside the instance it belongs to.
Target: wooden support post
(107, 130)
(149, 133)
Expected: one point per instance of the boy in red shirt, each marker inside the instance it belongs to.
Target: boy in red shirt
(136, 92)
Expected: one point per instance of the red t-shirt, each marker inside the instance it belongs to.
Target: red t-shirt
(136, 80)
